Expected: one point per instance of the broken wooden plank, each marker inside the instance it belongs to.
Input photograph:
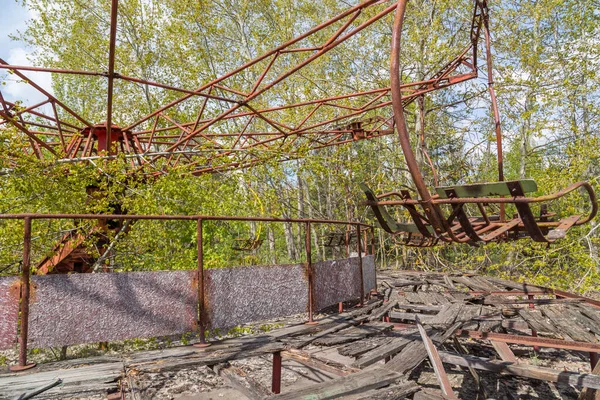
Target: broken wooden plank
(357, 349)
(382, 311)
(392, 392)
(591, 394)
(243, 383)
(446, 316)
(521, 287)
(313, 361)
(567, 325)
(404, 316)
(528, 371)
(414, 353)
(532, 341)
(344, 386)
(537, 321)
(493, 300)
(418, 307)
(504, 351)
(353, 334)
(88, 380)
(414, 297)
(387, 350)
(436, 362)
(472, 284)
(203, 357)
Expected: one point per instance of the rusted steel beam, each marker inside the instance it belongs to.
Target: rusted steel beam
(531, 341)
(310, 273)
(276, 384)
(360, 266)
(47, 94)
(177, 217)
(201, 303)
(266, 55)
(111, 72)
(25, 294)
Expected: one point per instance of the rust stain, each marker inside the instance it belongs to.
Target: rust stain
(205, 311)
(14, 290)
(33, 292)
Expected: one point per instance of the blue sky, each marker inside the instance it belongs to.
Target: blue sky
(13, 17)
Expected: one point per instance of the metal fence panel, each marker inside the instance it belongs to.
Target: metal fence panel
(369, 274)
(336, 281)
(87, 308)
(235, 296)
(9, 311)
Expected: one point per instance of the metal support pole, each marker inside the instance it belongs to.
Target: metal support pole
(25, 292)
(495, 112)
(347, 242)
(310, 275)
(201, 306)
(372, 230)
(594, 358)
(276, 384)
(360, 265)
(533, 332)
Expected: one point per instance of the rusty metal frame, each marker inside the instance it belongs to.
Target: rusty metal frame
(199, 143)
(465, 230)
(361, 232)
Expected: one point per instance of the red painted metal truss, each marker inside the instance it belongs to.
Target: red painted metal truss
(230, 127)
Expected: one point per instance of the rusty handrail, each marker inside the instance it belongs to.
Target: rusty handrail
(199, 219)
(181, 218)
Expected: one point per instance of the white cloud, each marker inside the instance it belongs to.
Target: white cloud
(16, 89)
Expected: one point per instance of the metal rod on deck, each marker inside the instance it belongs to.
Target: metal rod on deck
(111, 73)
(25, 293)
(310, 275)
(594, 358)
(360, 265)
(201, 305)
(276, 385)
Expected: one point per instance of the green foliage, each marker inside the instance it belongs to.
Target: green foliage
(547, 80)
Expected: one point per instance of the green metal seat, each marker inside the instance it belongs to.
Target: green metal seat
(490, 189)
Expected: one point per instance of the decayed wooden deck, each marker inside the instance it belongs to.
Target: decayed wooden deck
(381, 338)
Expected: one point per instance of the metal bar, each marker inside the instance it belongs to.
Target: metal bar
(176, 217)
(310, 274)
(26, 131)
(111, 71)
(168, 87)
(201, 305)
(276, 384)
(47, 94)
(284, 75)
(594, 358)
(431, 210)
(360, 265)
(496, 113)
(25, 293)
(289, 43)
(531, 341)
(53, 70)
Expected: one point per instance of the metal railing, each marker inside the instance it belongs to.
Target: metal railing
(365, 244)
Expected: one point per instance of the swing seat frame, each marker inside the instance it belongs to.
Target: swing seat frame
(460, 227)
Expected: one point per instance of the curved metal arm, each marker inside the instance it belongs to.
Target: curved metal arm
(432, 211)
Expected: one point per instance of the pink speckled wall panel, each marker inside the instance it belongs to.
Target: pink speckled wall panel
(9, 311)
(87, 308)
